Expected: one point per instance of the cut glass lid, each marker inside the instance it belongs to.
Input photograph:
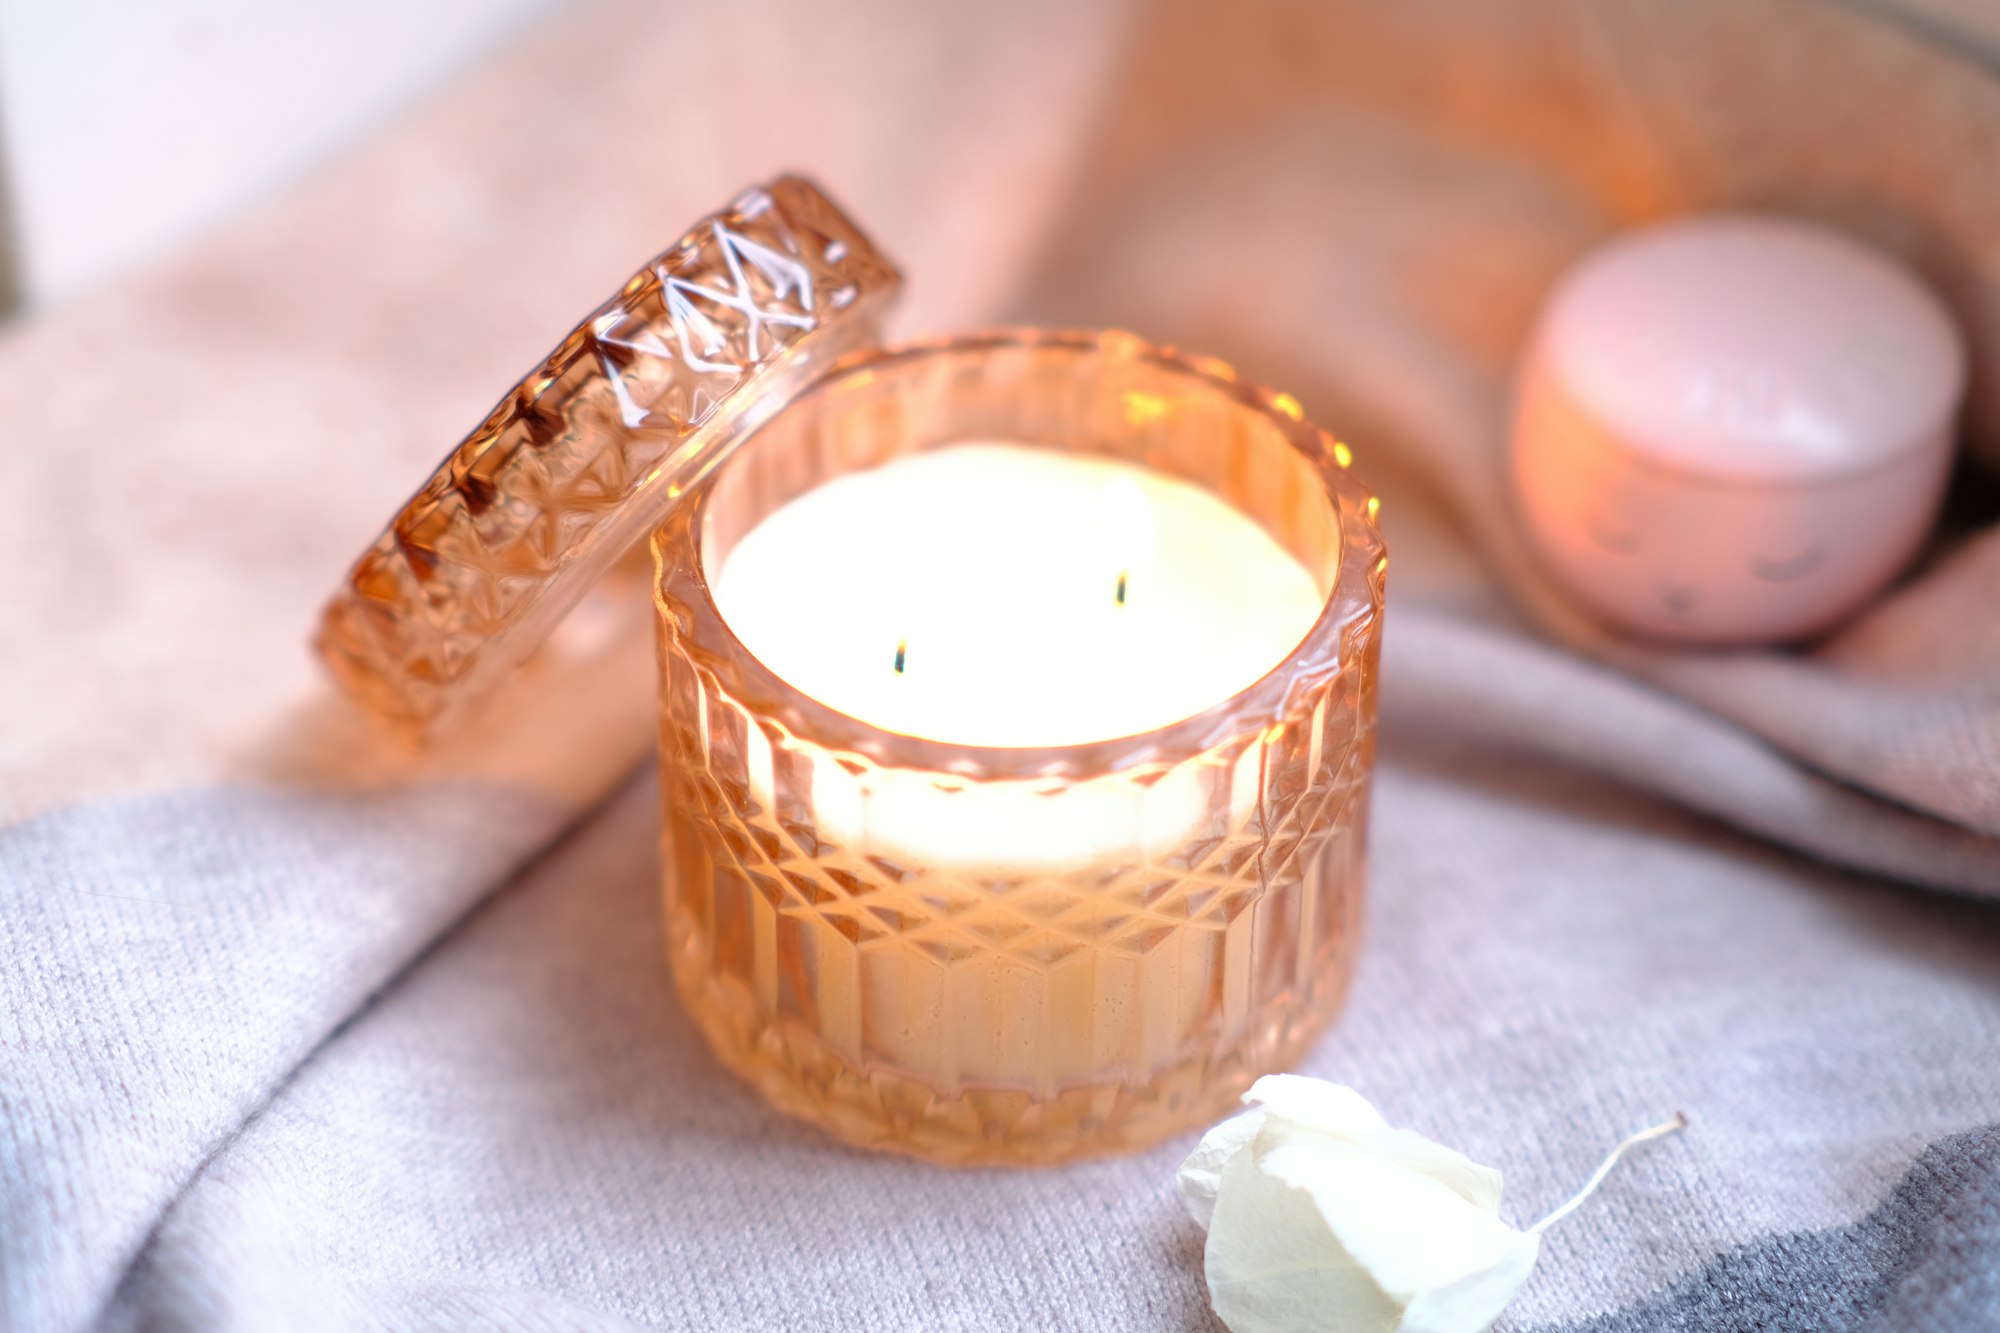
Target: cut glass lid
(582, 458)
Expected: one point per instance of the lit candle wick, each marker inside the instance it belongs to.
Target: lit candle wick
(902, 654)
(1123, 577)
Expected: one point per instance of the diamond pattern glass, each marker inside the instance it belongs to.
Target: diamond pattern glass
(1035, 1013)
(578, 462)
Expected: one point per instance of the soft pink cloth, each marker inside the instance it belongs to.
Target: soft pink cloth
(237, 1090)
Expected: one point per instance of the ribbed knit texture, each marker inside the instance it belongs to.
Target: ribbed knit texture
(298, 1030)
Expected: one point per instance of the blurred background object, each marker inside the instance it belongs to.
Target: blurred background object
(1735, 428)
(133, 126)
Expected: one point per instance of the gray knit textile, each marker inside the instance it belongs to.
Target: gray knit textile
(297, 1035)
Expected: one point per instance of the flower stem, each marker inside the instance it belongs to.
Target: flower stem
(1673, 1126)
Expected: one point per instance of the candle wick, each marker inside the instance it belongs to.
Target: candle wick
(902, 654)
(1123, 579)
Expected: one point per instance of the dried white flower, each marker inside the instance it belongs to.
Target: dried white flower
(1320, 1216)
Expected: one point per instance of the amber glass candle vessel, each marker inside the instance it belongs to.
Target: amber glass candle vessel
(1021, 1010)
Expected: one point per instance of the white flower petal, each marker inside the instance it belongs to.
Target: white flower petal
(1201, 1174)
(1475, 1301)
(1274, 1266)
(1329, 1108)
(1313, 1103)
(1477, 1185)
(1408, 1231)
(1320, 1216)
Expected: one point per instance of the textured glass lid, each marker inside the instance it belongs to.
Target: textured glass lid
(585, 455)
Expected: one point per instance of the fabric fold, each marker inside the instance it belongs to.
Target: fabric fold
(209, 867)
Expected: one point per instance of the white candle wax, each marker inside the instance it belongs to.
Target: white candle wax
(988, 594)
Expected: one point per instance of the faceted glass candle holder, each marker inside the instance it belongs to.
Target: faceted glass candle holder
(971, 1007)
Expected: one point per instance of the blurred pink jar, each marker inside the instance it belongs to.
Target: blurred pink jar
(1734, 428)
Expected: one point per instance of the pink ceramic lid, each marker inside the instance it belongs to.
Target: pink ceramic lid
(1754, 349)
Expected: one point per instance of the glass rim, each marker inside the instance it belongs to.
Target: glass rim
(1352, 608)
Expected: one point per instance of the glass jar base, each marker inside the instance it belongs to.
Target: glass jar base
(885, 1110)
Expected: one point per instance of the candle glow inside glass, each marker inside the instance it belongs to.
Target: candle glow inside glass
(905, 595)
(1017, 720)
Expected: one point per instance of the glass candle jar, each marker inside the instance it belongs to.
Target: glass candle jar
(1141, 926)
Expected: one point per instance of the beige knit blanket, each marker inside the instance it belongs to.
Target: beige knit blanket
(300, 1031)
